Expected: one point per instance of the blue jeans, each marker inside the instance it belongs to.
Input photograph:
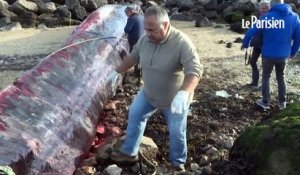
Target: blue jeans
(139, 112)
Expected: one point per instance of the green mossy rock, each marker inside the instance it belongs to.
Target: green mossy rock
(271, 147)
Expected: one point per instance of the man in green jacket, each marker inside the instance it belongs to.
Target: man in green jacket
(171, 70)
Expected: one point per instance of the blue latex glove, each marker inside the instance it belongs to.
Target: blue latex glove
(113, 77)
(180, 102)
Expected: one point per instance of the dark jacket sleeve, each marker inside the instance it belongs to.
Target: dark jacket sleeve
(129, 25)
(256, 40)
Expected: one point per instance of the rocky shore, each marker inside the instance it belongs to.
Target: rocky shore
(15, 14)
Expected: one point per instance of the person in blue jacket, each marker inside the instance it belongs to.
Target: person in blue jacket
(280, 29)
(256, 43)
(134, 29)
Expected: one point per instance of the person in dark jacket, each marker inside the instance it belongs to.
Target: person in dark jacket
(263, 7)
(134, 29)
(280, 28)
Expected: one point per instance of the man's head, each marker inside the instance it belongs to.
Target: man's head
(129, 11)
(263, 7)
(157, 23)
(274, 2)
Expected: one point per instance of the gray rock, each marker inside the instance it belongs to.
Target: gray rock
(212, 152)
(194, 167)
(211, 14)
(203, 160)
(28, 20)
(228, 143)
(48, 8)
(170, 4)
(51, 21)
(198, 9)
(79, 13)
(113, 170)
(136, 169)
(246, 6)
(4, 12)
(202, 21)
(207, 170)
(237, 27)
(104, 152)
(203, 2)
(71, 4)
(60, 2)
(10, 2)
(42, 27)
(48, 20)
(12, 27)
(184, 4)
(148, 148)
(211, 5)
(148, 4)
(91, 6)
(100, 3)
(21, 6)
(181, 17)
(4, 21)
(62, 12)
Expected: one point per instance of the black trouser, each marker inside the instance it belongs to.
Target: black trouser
(253, 62)
(279, 65)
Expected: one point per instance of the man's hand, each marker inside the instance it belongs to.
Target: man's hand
(180, 102)
(242, 48)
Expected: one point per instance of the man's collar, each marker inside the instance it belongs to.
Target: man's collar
(167, 35)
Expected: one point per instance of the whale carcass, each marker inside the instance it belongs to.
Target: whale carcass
(49, 115)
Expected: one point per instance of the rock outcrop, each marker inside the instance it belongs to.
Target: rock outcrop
(272, 146)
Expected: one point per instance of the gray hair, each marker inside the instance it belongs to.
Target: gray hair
(264, 3)
(127, 9)
(274, 2)
(160, 13)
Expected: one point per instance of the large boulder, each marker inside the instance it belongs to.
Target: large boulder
(4, 21)
(185, 4)
(71, 4)
(4, 9)
(48, 7)
(50, 20)
(21, 6)
(60, 2)
(202, 21)
(10, 2)
(79, 13)
(62, 12)
(247, 6)
(273, 146)
(28, 20)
